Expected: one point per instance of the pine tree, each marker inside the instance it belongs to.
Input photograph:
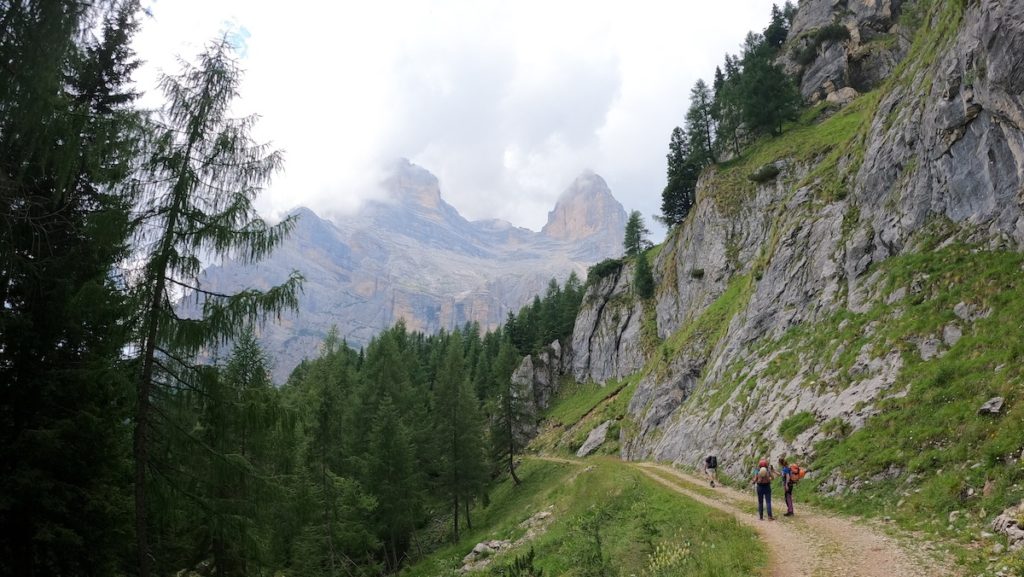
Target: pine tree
(67, 140)
(202, 176)
(237, 412)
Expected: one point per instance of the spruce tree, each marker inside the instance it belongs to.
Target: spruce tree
(768, 97)
(635, 239)
(678, 196)
(67, 140)
(199, 182)
(643, 280)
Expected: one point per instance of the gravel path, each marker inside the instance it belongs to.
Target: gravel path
(810, 543)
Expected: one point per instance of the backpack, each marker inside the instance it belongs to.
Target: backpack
(764, 476)
(711, 462)
(796, 473)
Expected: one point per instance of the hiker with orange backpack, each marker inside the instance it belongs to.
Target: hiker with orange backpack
(763, 476)
(787, 485)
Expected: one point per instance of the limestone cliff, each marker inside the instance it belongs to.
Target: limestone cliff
(786, 308)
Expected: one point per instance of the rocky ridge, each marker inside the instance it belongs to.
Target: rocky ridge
(938, 154)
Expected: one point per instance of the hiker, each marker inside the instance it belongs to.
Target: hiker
(711, 468)
(787, 485)
(763, 476)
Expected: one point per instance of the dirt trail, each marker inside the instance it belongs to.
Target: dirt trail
(811, 543)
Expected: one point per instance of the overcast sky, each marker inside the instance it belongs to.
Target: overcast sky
(506, 102)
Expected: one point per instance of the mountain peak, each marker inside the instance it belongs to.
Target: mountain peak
(584, 209)
(412, 185)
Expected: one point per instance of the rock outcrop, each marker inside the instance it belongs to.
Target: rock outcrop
(835, 44)
(606, 340)
(537, 378)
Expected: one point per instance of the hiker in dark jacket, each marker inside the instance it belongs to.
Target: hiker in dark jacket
(763, 476)
(711, 468)
(787, 485)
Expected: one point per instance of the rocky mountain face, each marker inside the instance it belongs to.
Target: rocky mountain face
(750, 282)
(415, 258)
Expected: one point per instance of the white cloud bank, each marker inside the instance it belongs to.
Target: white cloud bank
(506, 102)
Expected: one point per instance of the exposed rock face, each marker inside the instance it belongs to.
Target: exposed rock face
(948, 151)
(861, 61)
(606, 337)
(414, 258)
(538, 377)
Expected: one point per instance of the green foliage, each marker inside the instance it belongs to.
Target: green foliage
(631, 508)
(202, 176)
(603, 269)
(766, 173)
(643, 279)
(547, 319)
(834, 32)
(521, 566)
(792, 426)
(68, 135)
(635, 239)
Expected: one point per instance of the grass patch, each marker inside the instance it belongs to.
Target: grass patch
(640, 526)
(792, 426)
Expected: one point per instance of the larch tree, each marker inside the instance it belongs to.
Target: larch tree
(197, 189)
(512, 413)
(700, 124)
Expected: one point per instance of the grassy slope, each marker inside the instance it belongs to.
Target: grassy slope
(632, 515)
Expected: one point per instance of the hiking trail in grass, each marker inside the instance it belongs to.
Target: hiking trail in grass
(812, 542)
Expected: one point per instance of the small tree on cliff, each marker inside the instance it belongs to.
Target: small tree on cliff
(635, 240)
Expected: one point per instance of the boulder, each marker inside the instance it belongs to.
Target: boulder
(594, 440)
(992, 406)
(1009, 524)
(842, 97)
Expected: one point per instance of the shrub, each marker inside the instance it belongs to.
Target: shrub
(697, 273)
(765, 174)
(605, 268)
(804, 54)
(834, 32)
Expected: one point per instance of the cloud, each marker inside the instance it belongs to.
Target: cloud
(505, 102)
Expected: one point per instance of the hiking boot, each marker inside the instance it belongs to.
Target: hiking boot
(771, 518)
(712, 484)
(790, 514)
